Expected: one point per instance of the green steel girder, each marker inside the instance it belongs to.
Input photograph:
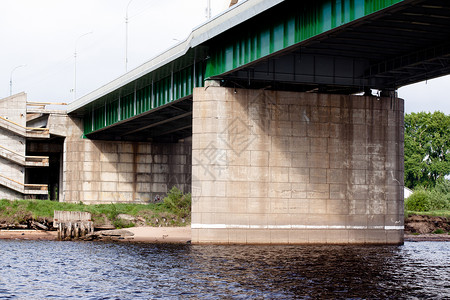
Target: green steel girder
(176, 85)
(283, 27)
(279, 28)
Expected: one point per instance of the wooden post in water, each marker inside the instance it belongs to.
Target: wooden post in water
(72, 224)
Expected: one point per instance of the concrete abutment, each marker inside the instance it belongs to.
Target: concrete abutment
(273, 167)
(97, 171)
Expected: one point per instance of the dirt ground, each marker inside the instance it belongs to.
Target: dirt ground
(28, 234)
(135, 234)
(427, 237)
(419, 224)
(420, 228)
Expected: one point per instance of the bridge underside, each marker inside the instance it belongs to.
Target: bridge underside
(404, 44)
(399, 45)
(168, 123)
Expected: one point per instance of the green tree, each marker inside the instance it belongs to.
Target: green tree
(427, 148)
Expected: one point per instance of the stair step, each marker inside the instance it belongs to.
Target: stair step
(27, 189)
(27, 161)
(24, 131)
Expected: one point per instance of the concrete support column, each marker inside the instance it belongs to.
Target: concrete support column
(271, 167)
(98, 172)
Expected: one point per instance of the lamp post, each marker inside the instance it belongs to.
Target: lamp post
(126, 37)
(208, 9)
(10, 78)
(75, 66)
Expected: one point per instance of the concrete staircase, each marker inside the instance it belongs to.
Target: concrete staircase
(27, 189)
(22, 160)
(20, 130)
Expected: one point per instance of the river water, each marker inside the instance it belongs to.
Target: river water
(96, 270)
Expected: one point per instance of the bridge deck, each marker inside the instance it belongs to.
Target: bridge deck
(323, 46)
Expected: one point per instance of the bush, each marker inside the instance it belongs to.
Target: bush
(443, 187)
(438, 201)
(418, 201)
(178, 203)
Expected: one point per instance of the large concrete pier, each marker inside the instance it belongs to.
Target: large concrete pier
(287, 168)
(123, 172)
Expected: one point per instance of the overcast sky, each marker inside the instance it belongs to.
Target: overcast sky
(42, 34)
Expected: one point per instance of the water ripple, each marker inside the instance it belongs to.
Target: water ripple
(73, 270)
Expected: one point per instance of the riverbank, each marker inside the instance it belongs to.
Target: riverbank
(179, 235)
(28, 234)
(428, 237)
(25, 214)
(161, 235)
(133, 234)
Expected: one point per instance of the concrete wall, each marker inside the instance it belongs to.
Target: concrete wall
(107, 171)
(12, 108)
(285, 167)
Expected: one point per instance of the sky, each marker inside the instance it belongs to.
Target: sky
(39, 39)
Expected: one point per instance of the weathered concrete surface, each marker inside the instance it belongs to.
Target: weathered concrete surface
(127, 172)
(12, 108)
(294, 168)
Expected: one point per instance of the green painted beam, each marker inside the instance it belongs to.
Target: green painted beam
(176, 85)
(256, 38)
(281, 29)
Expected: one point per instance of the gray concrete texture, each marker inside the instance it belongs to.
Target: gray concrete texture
(122, 172)
(12, 108)
(294, 168)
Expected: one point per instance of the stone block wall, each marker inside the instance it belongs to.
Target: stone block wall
(295, 168)
(12, 108)
(127, 172)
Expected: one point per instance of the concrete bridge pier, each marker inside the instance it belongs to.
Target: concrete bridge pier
(273, 167)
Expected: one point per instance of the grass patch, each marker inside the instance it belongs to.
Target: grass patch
(177, 203)
(434, 213)
(152, 214)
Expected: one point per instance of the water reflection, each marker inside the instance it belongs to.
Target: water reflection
(141, 271)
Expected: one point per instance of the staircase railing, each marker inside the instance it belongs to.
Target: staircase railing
(24, 188)
(23, 160)
(22, 130)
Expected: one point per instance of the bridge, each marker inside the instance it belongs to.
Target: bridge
(256, 114)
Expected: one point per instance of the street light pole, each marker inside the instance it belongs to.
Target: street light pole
(208, 9)
(126, 37)
(75, 66)
(10, 78)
